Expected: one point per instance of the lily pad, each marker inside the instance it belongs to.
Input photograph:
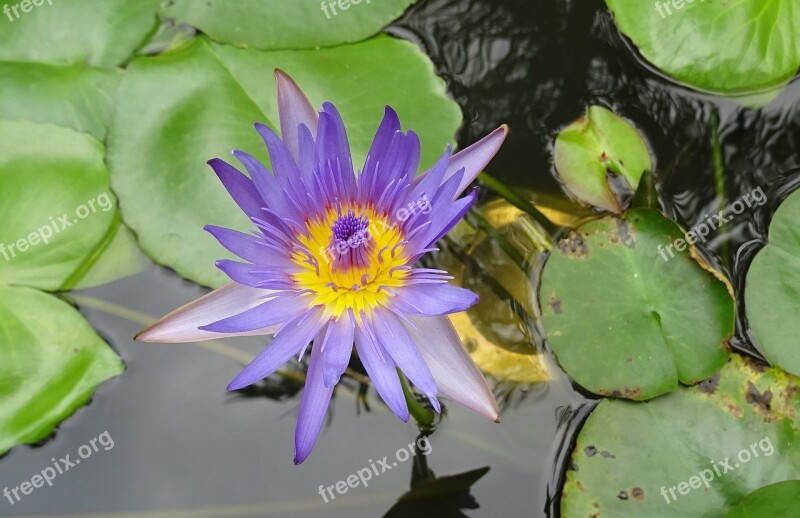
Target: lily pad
(51, 361)
(772, 289)
(626, 319)
(57, 204)
(780, 499)
(726, 47)
(600, 159)
(279, 25)
(86, 32)
(77, 97)
(208, 97)
(695, 452)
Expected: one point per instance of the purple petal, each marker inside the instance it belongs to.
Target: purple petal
(432, 299)
(182, 324)
(240, 187)
(294, 109)
(383, 137)
(250, 248)
(381, 370)
(338, 347)
(246, 273)
(474, 158)
(394, 338)
(283, 163)
(457, 377)
(289, 341)
(313, 405)
(271, 313)
(443, 223)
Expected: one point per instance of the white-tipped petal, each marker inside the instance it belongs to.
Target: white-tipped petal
(456, 375)
(474, 158)
(182, 324)
(294, 109)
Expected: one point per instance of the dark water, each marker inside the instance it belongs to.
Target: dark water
(183, 446)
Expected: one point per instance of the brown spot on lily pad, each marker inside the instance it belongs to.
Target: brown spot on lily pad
(637, 493)
(590, 451)
(622, 495)
(625, 393)
(574, 246)
(555, 304)
(709, 385)
(761, 401)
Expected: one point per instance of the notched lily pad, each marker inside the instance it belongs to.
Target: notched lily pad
(627, 319)
(695, 452)
(600, 159)
(209, 97)
(772, 289)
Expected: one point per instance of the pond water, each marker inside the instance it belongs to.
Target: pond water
(183, 446)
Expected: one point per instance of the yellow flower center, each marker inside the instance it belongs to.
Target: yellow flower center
(352, 259)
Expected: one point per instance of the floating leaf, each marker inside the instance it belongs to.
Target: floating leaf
(628, 455)
(780, 499)
(208, 97)
(625, 322)
(58, 204)
(77, 97)
(51, 361)
(772, 289)
(725, 47)
(600, 159)
(87, 32)
(296, 24)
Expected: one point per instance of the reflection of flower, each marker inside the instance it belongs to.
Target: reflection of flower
(368, 291)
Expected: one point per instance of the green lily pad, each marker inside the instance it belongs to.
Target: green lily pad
(58, 204)
(278, 24)
(210, 95)
(51, 361)
(77, 97)
(772, 289)
(780, 499)
(695, 452)
(625, 322)
(80, 32)
(599, 147)
(728, 47)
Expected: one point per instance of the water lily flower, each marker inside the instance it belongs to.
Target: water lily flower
(332, 261)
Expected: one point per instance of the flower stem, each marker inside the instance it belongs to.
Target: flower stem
(422, 415)
(517, 201)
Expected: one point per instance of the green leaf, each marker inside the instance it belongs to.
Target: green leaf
(600, 159)
(733, 48)
(86, 32)
(59, 204)
(210, 95)
(278, 24)
(628, 455)
(626, 319)
(772, 289)
(780, 499)
(51, 361)
(120, 258)
(78, 97)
